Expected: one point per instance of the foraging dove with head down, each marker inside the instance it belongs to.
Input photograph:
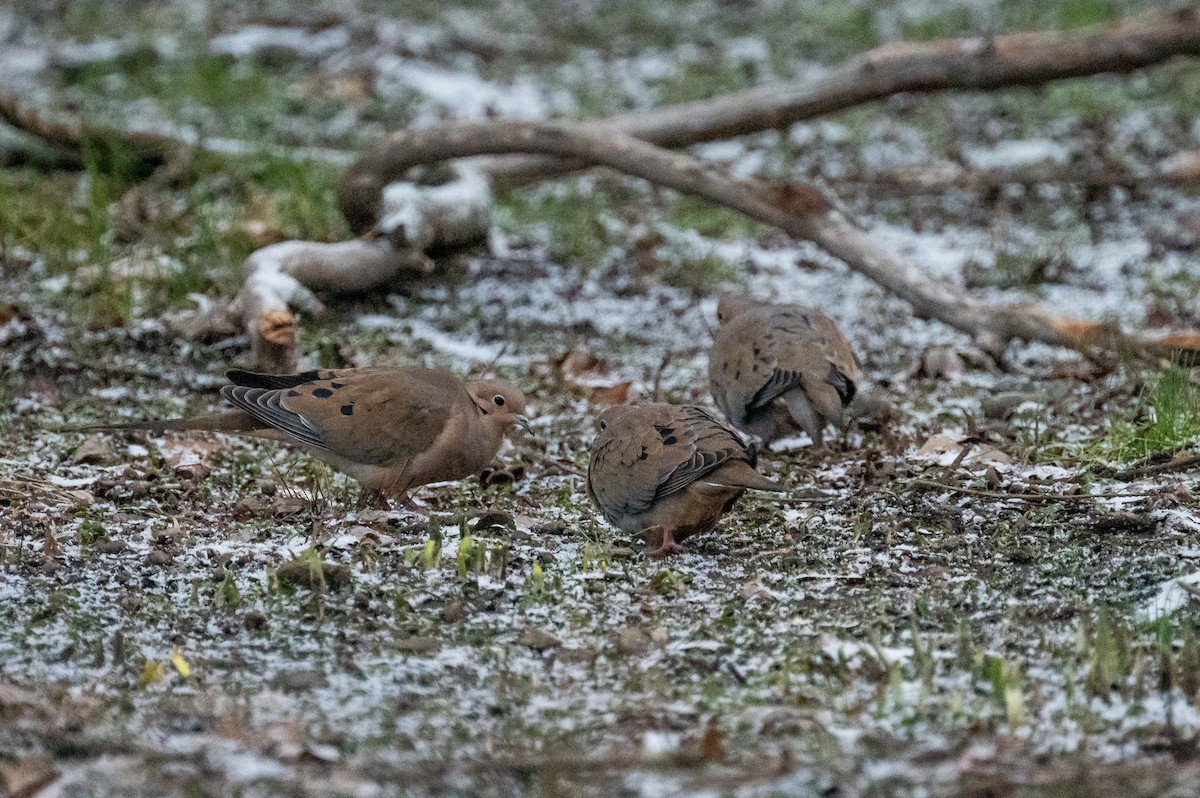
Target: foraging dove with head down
(391, 428)
(668, 470)
(774, 369)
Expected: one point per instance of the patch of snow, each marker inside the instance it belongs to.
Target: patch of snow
(1171, 596)
(660, 744)
(460, 95)
(1014, 154)
(254, 39)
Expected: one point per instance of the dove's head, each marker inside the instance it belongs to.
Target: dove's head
(503, 403)
(730, 306)
(611, 415)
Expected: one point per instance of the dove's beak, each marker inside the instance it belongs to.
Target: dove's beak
(523, 422)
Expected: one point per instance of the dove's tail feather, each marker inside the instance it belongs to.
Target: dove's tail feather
(231, 421)
(739, 474)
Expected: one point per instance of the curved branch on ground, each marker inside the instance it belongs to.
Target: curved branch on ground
(796, 208)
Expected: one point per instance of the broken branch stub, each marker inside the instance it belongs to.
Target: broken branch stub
(282, 277)
(453, 208)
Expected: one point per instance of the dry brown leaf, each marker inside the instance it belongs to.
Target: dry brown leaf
(941, 362)
(633, 641)
(97, 449)
(612, 394)
(27, 776)
(1158, 316)
(946, 449)
(538, 639)
(50, 546)
(189, 457)
(576, 365)
(712, 744)
(799, 199)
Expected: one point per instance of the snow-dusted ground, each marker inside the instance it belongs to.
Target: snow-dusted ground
(890, 636)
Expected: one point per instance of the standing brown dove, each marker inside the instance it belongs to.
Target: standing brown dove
(668, 470)
(391, 428)
(774, 369)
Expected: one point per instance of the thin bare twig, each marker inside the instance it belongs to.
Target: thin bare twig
(941, 176)
(1044, 497)
(1155, 469)
(69, 135)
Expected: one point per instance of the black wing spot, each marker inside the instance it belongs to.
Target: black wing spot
(667, 434)
(293, 393)
(322, 393)
(338, 384)
(348, 410)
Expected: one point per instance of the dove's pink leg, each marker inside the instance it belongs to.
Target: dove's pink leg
(668, 547)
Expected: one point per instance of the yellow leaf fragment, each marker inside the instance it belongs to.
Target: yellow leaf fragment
(180, 663)
(153, 672)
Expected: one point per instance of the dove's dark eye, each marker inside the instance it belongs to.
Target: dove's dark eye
(499, 400)
(603, 425)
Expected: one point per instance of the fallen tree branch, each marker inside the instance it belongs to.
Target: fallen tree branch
(69, 136)
(976, 63)
(798, 209)
(1157, 466)
(73, 135)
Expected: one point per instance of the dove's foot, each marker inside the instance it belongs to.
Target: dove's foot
(667, 547)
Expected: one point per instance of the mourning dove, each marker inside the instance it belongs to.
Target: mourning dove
(774, 369)
(391, 428)
(668, 470)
